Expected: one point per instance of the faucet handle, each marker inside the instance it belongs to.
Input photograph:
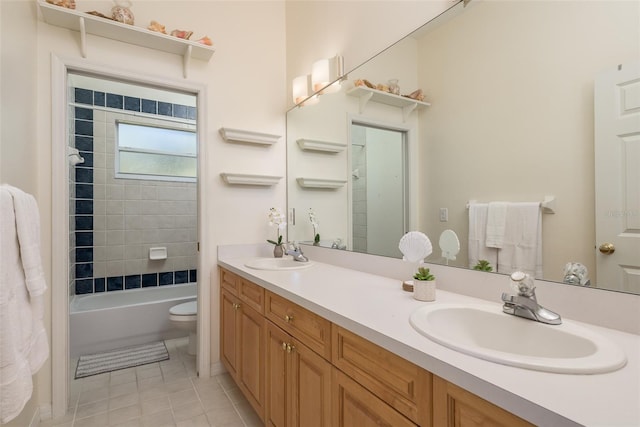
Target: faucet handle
(522, 283)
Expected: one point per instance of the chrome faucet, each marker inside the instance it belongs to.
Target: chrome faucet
(525, 304)
(296, 252)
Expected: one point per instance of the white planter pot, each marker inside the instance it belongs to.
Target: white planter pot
(424, 290)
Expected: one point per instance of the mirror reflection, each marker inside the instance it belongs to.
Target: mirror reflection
(513, 93)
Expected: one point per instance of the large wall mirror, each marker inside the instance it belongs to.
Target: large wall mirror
(513, 95)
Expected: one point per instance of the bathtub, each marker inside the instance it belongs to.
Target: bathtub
(110, 320)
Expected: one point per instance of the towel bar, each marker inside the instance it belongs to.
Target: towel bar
(548, 205)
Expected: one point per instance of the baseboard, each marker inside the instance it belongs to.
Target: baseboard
(217, 368)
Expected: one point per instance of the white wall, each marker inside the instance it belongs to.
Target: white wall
(541, 114)
(248, 36)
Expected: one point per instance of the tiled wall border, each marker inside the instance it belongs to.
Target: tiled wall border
(83, 135)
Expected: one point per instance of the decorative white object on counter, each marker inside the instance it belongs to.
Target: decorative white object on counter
(449, 245)
(158, 253)
(239, 135)
(415, 246)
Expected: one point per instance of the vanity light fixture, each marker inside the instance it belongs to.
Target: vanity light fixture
(300, 90)
(325, 71)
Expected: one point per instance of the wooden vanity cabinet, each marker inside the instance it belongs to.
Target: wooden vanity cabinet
(243, 339)
(298, 383)
(456, 407)
(297, 369)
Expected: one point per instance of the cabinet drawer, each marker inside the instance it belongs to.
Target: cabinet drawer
(354, 405)
(311, 329)
(455, 406)
(229, 281)
(393, 379)
(251, 294)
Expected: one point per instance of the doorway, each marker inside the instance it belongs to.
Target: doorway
(379, 187)
(63, 277)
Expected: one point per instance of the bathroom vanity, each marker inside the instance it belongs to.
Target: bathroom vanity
(330, 346)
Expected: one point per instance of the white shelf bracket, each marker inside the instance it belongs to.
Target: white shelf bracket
(186, 60)
(407, 110)
(83, 38)
(364, 99)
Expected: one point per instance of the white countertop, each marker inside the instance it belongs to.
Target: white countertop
(377, 309)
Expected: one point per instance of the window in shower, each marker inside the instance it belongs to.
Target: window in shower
(154, 152)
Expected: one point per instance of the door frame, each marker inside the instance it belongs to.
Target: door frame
(410, 131)
(60, 66)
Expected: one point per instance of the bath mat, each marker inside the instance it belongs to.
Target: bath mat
(94, 364)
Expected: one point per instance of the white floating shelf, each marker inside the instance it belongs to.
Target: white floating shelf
(90, 24)
(238, 135)
(367, 94)
(250, 179)
(321, 183)
(324, 146)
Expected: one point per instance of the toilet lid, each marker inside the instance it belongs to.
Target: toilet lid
(185, 309)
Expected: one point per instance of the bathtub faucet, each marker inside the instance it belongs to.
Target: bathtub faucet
(296, 252)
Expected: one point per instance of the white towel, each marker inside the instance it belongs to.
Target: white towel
(522, 248)
(477, 236)
(23, 340)
(496, 222)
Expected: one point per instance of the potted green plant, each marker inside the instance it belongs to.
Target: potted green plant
(483, 265)
(424, 285)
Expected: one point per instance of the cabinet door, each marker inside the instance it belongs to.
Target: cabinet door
(456, 407)
(310, 388)
(229, 326)
(353, 405)
(276, 405)
(252, 359)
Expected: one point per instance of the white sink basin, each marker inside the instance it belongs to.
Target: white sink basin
(277, 264)
(484, 331)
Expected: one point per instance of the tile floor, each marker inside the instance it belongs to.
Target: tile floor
(157, 395)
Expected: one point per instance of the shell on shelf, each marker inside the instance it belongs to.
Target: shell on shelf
(182, 34)
(415, 246)
(205, 40)
(157, 27)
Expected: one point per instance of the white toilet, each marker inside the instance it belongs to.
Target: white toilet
(184, 316)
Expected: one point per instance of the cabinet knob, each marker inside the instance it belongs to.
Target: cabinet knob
(236, 306)
(284, 345)
(288, 318)
(290, 348)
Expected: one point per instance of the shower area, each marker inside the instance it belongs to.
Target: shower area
(379, 185)
(133, 224)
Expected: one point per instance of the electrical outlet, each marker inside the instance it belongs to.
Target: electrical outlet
(444, 214)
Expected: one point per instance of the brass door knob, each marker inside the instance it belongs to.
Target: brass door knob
(607, 248)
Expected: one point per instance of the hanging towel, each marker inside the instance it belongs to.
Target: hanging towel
(496, 220)
(477, 236)
(522, 247)
(23, 341)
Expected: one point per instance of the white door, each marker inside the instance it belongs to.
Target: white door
(617, 154)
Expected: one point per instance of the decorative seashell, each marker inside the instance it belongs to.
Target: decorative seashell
(383, 87)
(182, 34)
(69, 4)
(415, 246)
(121, 12)
(205, 40)
(416, 94)
(157, 27)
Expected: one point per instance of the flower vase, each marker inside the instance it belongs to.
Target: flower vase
(424, 290)
(278, 251)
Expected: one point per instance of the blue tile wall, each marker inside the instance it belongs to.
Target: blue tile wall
(85, 283)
